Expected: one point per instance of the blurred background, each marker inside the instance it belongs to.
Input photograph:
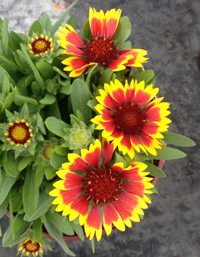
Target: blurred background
(170, 31)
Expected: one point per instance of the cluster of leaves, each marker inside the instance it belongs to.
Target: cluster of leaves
(36, 88)
(39, 89)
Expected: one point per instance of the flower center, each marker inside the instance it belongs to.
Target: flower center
(19, 133)
(40, 45)
(31, 246)
(101, 50)
(48, 151)
(129, 119)
(103, 185)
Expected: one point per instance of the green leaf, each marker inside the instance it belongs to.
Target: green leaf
(30, 193)
(65, 89)
(8, 101)
(48, 99)
(24, 111)
(119, 158)
(45, 202)
(62, 18)
(3, 207)
(4, 36)
(105, 77)
(29, 80)
(20, 225)
(35, 88)
(57, 160)
(53, 110)
(6, 85)
(61, 150)
(24, 162)
(6, 185)
(166, 153)
(60, 222)
(31, 148)
(20, 87)
(127, 45)
(62, 73)
(79, 230)
(2, 72)
(37, 230)
(80, 96)
(176, 139)
(45, 22)
(152, 81)
(7, 238)
(86, 31)
(17, 202)
(72, 22)
(123, 31)
(56, 235)
(154, 171)
(146, 75)
(45, 70)
(49, 172)
(63, 82)
(12, 65)
(20, 100)
(40, 124)
(11, 168)
(92, 103)
(56, 126)
(38, 178)
(34, 69)
(154, 190)
(35, 27)
(16, 39)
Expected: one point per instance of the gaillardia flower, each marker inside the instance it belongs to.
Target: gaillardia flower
(99, 193)
(100, 49)
(40, 45)
(30, 246)
(19, 133)
(131, 116)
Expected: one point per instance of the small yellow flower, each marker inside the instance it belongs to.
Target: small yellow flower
(41, 45)
(19, 132)
(30, 246)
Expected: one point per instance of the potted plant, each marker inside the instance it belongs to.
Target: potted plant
(82, 131)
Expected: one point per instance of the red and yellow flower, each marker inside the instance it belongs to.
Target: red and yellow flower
(40, 45)
(99, 193)
(30, 247)
(100, 49)
(19, 133)
(132, 117)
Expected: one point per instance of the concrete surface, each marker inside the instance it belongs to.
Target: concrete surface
(170, 31)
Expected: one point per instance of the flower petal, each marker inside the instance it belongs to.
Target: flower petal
(77, 163)
(92, 157)
(93, 223)
(104, 25)
(70, 195)
(72, 36)
(108, 150)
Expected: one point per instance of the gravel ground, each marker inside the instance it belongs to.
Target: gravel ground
(170, 31)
